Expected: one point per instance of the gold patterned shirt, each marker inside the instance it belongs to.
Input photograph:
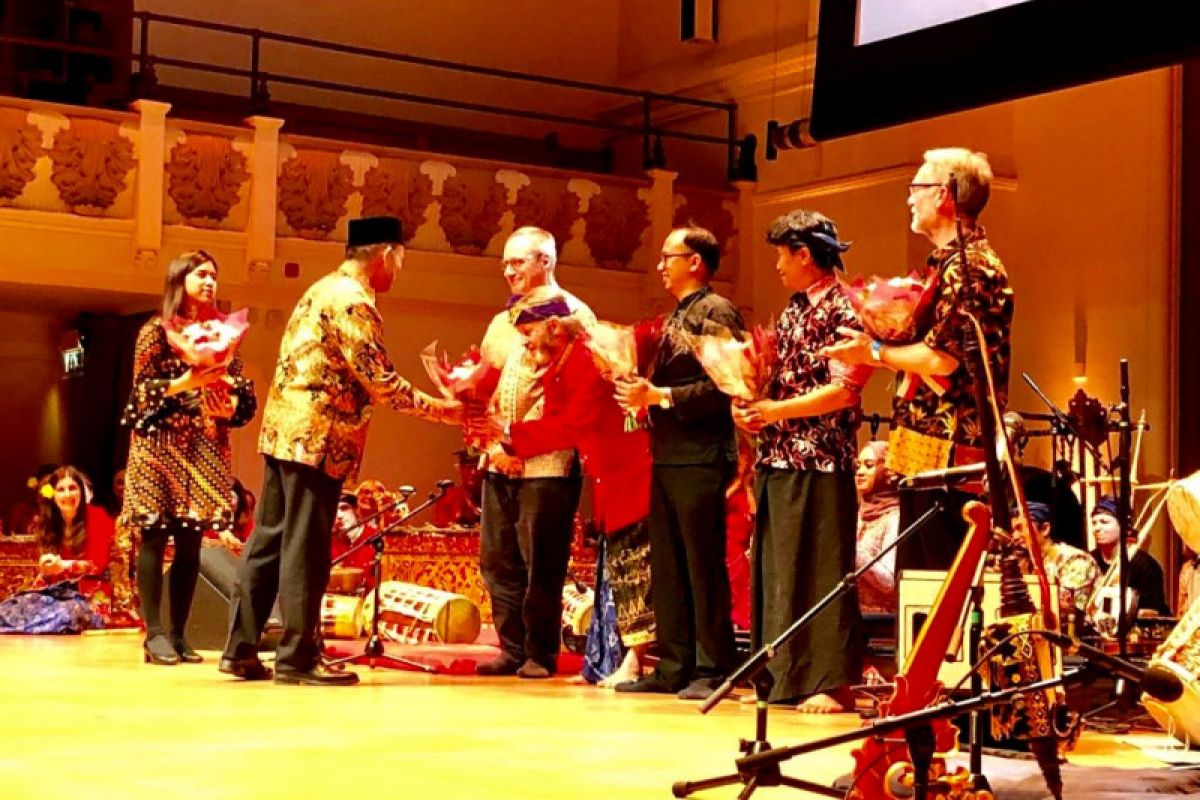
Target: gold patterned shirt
(519, 393)
(983, 291)
(332, 367)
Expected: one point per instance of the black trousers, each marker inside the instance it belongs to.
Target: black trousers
(287, 555)
(185, 569)
(936, 544)
(689, 581)
(525, 544)
(803, 545)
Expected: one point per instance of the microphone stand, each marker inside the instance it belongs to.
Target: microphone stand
(373, 653)
(754, 769)
(754, 669)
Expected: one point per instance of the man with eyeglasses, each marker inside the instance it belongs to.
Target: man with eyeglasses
(935, 420)
(529, 504)
(695, 457)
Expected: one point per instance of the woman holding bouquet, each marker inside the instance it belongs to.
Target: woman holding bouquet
(179, 482)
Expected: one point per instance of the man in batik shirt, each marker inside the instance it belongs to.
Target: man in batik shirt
(332, 368)
(807, 502)
(935, 419)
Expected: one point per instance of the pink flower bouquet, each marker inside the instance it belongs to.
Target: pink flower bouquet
(209, 342)
(623, 351)
(892, 310)
(740, 368)
(468, 378)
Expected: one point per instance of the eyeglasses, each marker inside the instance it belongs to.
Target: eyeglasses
(915, 186)
(666, 256)
(519, 261)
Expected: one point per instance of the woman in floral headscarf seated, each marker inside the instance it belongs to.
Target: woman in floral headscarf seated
(878, 524)
(72, 592)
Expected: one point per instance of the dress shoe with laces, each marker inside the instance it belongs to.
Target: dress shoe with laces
(532, 669)
(158, 650)
(503, 664)
(248, 669)
(318, 675)
(186, 654)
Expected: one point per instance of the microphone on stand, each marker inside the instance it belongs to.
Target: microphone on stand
(445, 484)
(405, 490)
(943, 478)
(1161, 684)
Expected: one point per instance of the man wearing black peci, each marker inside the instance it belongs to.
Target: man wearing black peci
(695, 455)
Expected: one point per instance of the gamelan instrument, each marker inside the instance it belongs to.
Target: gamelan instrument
(414, 614)
(1180, 654)
(346, 580)
(577, 604)
(341, 616)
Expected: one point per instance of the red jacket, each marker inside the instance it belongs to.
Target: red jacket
(580, 412)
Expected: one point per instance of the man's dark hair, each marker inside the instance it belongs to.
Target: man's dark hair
(810, 229)
(703, 243)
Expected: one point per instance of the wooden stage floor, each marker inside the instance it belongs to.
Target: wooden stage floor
(85, 719)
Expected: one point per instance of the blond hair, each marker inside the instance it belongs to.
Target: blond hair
(971, 172)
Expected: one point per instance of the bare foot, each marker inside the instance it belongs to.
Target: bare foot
(630, 670)
(838, 701)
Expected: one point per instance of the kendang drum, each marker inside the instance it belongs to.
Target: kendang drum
(346, 580)
(341, 616)
(414, 614)
(1180, 655)
(1183, 506)
(577, 604)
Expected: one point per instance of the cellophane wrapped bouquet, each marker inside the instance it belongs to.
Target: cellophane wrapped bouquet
(892, 310)
(208, 342)
(470, 379)
(741, 365)
(623, 351)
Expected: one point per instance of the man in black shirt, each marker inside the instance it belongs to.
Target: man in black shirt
(695, 455)
(1145, 574)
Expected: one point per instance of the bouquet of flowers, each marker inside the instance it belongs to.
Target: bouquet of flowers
(623, 351)
(892, 310)
(740, 367)
(468, 378)
(208, 342)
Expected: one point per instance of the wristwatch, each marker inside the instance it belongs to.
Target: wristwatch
(665, 401)
(877, 350)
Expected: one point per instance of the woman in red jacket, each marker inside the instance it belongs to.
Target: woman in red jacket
(75, 540)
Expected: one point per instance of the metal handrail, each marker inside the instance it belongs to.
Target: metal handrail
(258, 79)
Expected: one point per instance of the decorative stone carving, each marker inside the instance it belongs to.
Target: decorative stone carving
(553, 211)
(707, 211)
(91, 163)
(205, 176)
(471, 215)
(20, 148)
(615, 224)
(145, 260)
(313, 189)
(398, 188)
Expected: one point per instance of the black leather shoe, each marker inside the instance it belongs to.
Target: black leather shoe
(503, 664)
(186, 654)
(319, 675)
(158, 650)
(651, 684)
(248, 669)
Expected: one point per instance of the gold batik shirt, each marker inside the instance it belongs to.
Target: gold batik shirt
(332, 367)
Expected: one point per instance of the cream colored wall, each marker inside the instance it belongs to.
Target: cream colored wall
(31, 400)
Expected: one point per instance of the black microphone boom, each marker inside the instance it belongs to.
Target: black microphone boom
(1161, 684)
(943, 478)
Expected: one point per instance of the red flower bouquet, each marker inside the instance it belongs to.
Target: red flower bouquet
(468, 378)
(892, 310)
(208, 342)
(740, 367)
